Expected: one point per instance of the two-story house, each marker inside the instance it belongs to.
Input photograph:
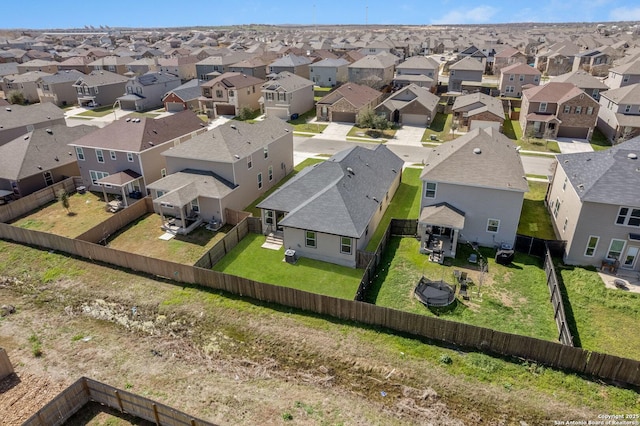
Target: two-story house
(58, 88)
(624, 75)
(230, 92)
(227, 167)
(506, 57)
(99, 88)
(515, 77)
(146, 91)
(556, 59)
(287, 94)
(329, 72)
(255, 67)
(214, 66)
(465, 70)
(26, 84)
(77, 63)
(558, 110)
(185, 96)
(591, 85)
(124, 156)
(419, 70)
(375, 71)
(49, 67)
(182, 66)
(619, 114)
(594, 205)
(472, 191)
(298, 65)
(114, 64)
(595, 61)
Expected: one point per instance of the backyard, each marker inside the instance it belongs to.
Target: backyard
(85, 211)
(249, 260)
(440, 128)
(512, 299)
(534, 218)
(142, 237)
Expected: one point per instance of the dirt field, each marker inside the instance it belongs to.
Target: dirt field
(231, 361)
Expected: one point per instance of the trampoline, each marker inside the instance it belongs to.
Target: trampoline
(435, 293)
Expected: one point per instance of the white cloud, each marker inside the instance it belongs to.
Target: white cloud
(477, 15)
(625, 14)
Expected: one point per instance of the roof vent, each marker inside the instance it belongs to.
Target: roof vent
(128, 120)
(8, 109)
(236, 156)
(26, 137)
(632, 156)
(477, 151)
(233, 126)
(350, 170)
(49, 131)
(151, 143)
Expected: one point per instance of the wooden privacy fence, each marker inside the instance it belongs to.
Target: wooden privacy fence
(102, 231)
(538, 247)
(84, 390)
(24, 205)
(553, 354)
(225, 245)
(565, 336)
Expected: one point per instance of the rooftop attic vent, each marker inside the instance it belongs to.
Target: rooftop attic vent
(632, 156)
(233, 126)
(350, 171)
(49, 131)
(128, 120)
(236, 156)
(8, 109)
(477, 151)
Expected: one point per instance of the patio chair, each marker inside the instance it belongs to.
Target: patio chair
(473, 258)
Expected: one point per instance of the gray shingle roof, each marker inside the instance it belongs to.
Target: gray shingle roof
(188, 91)
(489, 103)
(420, 95)
(99, 78)
(152, 78)
(627, 94)
(419, 62)
(340, 195)
(287, 81)
(610, 177)
(186, 185)
(62, 77)
(18, 115)
(290, 61)
(467, 64)
(582, 80)
(330, 63)
(498, 165)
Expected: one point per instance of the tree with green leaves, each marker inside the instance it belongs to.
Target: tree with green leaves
(16, 97)
(63, 197)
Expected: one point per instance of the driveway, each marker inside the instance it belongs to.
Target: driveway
(570, 146)
(337, 131)
(408, 135)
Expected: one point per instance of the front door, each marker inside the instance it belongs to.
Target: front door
(629, 259)
(279, 217)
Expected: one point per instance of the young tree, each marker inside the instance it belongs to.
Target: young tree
(366, 119)
(16, 97)
(63, 197)
(454, 127)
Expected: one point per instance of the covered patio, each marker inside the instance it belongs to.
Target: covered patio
(543, 125)
(439, 227)
(179, 210)
(128, 184)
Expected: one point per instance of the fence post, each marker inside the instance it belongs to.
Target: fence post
(119, 401)
(530, 245)
(155, 414)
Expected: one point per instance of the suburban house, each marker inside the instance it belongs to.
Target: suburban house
(287, 94)
(58, 88)
(514, 78)
(558, 110)
(624, 75)
(419, 70)
(142, 66)
(475, 53)
(412, 105)
(99, 88)
(556, 59)
(591, 85)
(464, 71)
(619, 114)
(375, 71)
(329, 72)
(185, 96)
(146, 91)
(346, 102)
(49, 67)
(331, 210)
(77, 63)
(227, 167)
(298, 65)
(594, 205)
(478, 110)
(255, 67)
(472, 191)
(214, 66)
(18, 120)
(114, 64)
(182, 66)
(230, 92)
(26, 84)
(595, 61)
(506, 57)
(39, 158)
(124, 156)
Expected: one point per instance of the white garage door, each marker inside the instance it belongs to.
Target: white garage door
(479, 124)
(414, 119)
(174, 106)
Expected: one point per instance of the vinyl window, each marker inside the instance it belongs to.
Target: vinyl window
(345, 245)
(616, 248)
(493, 225)
(310, 239)
(100, 156)
(80, 153)
(628, 216)
(592, 244)
(430, 189)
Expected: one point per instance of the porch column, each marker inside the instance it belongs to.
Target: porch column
(454, 242)
(124, 198)
(104, 193)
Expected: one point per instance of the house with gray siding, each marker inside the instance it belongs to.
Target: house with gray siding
(594, 206)
(619, 113)
(298, 65)
(419, 70)
(374, 71)
(255, 67)
(624, 75)
(26, 84)
(591, 85)
(58, 88)
(99, 88)
(146, 91)
(465, 70)
(331, 210)
(213, 66)
(287, 94)
(329, 72)
(227, 167)
(472, 192)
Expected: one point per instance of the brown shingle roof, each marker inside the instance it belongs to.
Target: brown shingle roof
(355, 94)
(551, 92)
(234, 79)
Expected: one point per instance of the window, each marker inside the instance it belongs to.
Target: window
(430, 189)
(345, 245)
(521, 78)
(130, 157)
(493, 225)
(627, 108)
(511, 77)
(542, 107)
(260, 180)
(567, 109)
(282, 96)
(218, 93)
(80, 153)
(163, 172)
(578, 110)
(112, 155)
(628, 216)
(266, 152)
(195, 206)
(160, 193)
(99, 156)
(566, 222)
(592, 244)
(231, 93)
(595, 94)
(590, 111)
(625, 78)
(270, 173)
(269, 96)
(249, 162)
(556, 208)
(268, 217)
(615, 249)
(536, 79)
(310, 239)
(564, 184)
(95, 176)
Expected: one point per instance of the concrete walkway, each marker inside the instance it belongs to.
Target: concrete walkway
(571, 146)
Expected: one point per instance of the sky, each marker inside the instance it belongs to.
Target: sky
(185, 13)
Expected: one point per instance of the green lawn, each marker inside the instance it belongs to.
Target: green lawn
(373, 134)
(601, 319)
(98, 112)
(306, 163)
(599, 141)
(404, 205)
(534, 218)
(301, 124)
(512, 130)
(440, 127)
(512, 299)
(249, 260)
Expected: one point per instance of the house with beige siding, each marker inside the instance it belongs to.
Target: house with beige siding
(298, 65)
(114, 64)
(346, 102)
(26, 84)
(478, 110)
(515, 78)
(412, 105)
(229, 93)
(255, 67)
(227, 167)
(329, 72)
(594, 206)
(624, 75)
(419, 70)
(508, 56)
(58, 88)
(375, 71)
(619, 114)
(287, 94)
(331, 210)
